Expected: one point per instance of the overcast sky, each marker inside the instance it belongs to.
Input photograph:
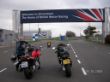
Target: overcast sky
(6, 7)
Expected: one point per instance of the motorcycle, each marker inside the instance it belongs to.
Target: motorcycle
(48, 44)
(65, 61)
(66, 64)
(28, 65)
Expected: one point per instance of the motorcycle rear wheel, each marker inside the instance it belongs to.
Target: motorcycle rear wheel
(28, 73)
(68, 70)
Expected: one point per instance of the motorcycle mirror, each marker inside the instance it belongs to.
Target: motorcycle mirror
(68, 44)
(40, 46)
(13, 58)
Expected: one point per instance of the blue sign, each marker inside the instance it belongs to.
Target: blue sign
(69, 15)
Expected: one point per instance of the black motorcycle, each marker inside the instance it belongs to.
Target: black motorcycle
(65, 61)
(66, 64)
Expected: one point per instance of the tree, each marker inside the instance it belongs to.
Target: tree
(107, 39)
(70, 34)
(90, 31)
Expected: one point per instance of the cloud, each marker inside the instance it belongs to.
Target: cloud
(33, 4)
(6, 24)
(104, 3)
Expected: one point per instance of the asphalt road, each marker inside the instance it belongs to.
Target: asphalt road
(90, 64)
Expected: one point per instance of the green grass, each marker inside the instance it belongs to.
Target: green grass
(31, 42)
(56, 38)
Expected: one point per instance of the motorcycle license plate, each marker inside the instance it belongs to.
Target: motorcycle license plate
(24, 64)
(66, 61)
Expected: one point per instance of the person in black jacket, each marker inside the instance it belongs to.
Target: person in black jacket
(20, 50)
(61, 51)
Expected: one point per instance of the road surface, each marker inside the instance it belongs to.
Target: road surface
(90, 64)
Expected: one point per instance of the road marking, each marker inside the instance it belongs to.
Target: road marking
(3, 46)
(73, 50)
(83, 70)
(79, 61)
(75, 53)
(98, 71)
(6, 51)
(76, 56)
(109, 53)
(3, 70)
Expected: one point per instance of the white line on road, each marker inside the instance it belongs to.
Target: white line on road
(6, 51)
(109, 53)
(3, 70)
(83, 70)
(76, 56)
(73, 50)
(79, 61)
(3, 46)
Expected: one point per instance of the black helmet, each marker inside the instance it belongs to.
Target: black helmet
(62, 44)
(61, 49)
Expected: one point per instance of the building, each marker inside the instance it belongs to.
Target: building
(44, 34)
(7, 37)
